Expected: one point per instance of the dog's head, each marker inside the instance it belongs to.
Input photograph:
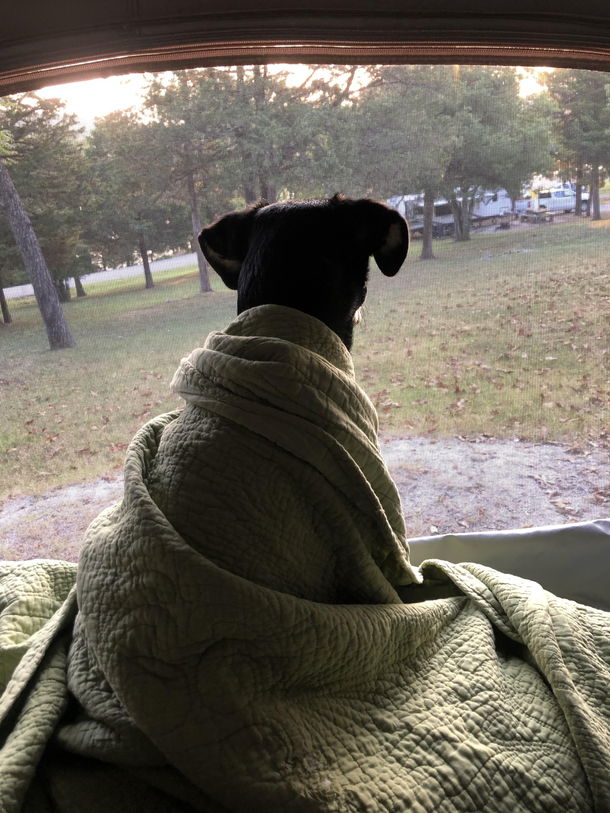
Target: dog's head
(310, 255)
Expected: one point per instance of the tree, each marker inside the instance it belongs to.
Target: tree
(6, 314)
(19, 223)
(232, 136)
(435, 131)
(58, 332)
(49, 168)
(131, 210)
(500, 138)
(410, 152)
(583, 126)
(192, 134)
(5, 150)
(284, 136)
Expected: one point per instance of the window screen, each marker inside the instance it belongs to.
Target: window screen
(486, 357)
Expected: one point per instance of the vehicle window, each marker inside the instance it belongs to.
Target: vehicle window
(442, 210)
(486, 357)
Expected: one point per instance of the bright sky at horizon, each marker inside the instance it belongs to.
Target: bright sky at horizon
(95, 98)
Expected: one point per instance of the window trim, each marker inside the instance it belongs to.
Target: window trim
(83, 41)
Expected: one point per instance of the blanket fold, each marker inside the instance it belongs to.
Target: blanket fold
(252, 636)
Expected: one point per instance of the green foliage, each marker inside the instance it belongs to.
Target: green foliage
(191, 133)
(6, 143)
(402, 136)
(501, 140)
(582, 124)
(453, 131)
(582, 120)
(130, 197)
(45, 148)
(247, 133)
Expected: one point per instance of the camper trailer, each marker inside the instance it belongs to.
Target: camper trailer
(489, 207)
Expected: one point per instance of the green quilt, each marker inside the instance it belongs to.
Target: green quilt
(252, 637)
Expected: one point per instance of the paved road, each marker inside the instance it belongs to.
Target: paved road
(116, 273)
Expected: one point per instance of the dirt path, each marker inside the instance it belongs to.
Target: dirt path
(445, 486)
(52, 525)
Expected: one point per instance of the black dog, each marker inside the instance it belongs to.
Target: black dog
(310, 255)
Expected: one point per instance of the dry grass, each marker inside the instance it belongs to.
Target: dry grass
(68, 416)
(508, 336)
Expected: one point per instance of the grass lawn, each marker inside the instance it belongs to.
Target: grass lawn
(506, 336)
(68, 416)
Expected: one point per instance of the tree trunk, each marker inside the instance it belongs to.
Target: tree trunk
(578, 207)
(249, 191)
(426, 249)
(204, 277)
(63, 290)
(80, 291)
(57, 328)
(146, 264)
(268, 192)
(461, 217)
(244, 153)
(594, 194)
(6, 314)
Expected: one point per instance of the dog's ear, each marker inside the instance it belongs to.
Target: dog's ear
(392, 252)
(225, 243)
(386, 234)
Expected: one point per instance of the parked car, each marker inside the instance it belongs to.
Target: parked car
(559, 199)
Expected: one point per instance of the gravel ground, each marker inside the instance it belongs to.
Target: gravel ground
(445, 486)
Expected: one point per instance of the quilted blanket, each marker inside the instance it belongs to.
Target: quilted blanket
(251, 635)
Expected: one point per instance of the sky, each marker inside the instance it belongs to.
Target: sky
(98, 97)
(94, 98)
